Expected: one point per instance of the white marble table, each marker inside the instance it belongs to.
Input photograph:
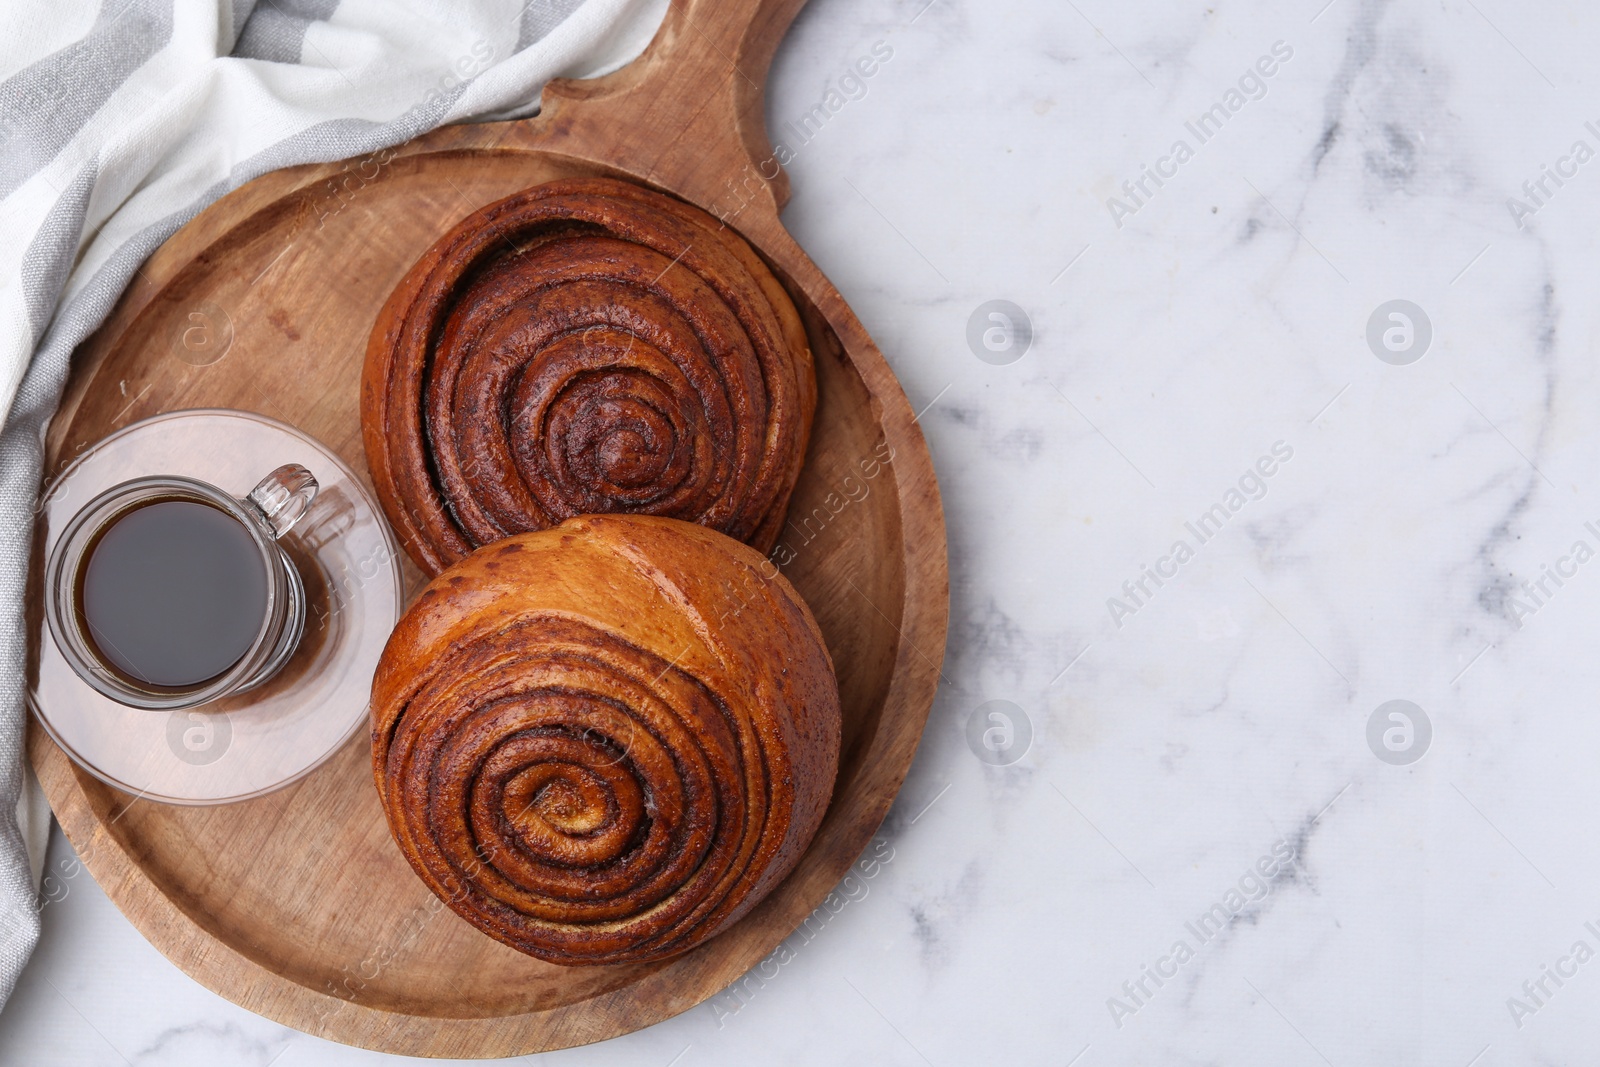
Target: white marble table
(1093, 894)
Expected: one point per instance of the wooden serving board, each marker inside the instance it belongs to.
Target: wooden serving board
(298, 905)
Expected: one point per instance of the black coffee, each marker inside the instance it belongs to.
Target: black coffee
(173, 592)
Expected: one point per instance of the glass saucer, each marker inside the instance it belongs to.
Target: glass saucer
(265, 738)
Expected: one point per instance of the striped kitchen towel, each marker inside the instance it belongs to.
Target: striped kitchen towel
(120, 121)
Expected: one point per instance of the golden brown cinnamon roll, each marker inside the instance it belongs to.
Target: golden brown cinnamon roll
(606, 741)
(586, 346)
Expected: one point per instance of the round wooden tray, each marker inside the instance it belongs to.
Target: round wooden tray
(298, 905)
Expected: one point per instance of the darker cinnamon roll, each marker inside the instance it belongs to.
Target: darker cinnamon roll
(587, 346)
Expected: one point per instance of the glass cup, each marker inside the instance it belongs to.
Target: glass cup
(266, 514)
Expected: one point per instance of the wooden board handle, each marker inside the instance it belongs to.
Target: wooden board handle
(693, 101)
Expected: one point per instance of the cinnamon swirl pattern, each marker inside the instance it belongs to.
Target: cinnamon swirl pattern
(586, 346)
(607, 741)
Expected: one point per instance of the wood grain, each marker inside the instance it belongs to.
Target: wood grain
(298, 905)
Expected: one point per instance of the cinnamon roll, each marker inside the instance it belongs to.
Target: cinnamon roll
(606, 741)
(585, 346)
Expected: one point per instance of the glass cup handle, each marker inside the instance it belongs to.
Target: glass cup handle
(283, 497)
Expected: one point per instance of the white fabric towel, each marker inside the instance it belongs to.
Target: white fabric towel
(119, 121)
